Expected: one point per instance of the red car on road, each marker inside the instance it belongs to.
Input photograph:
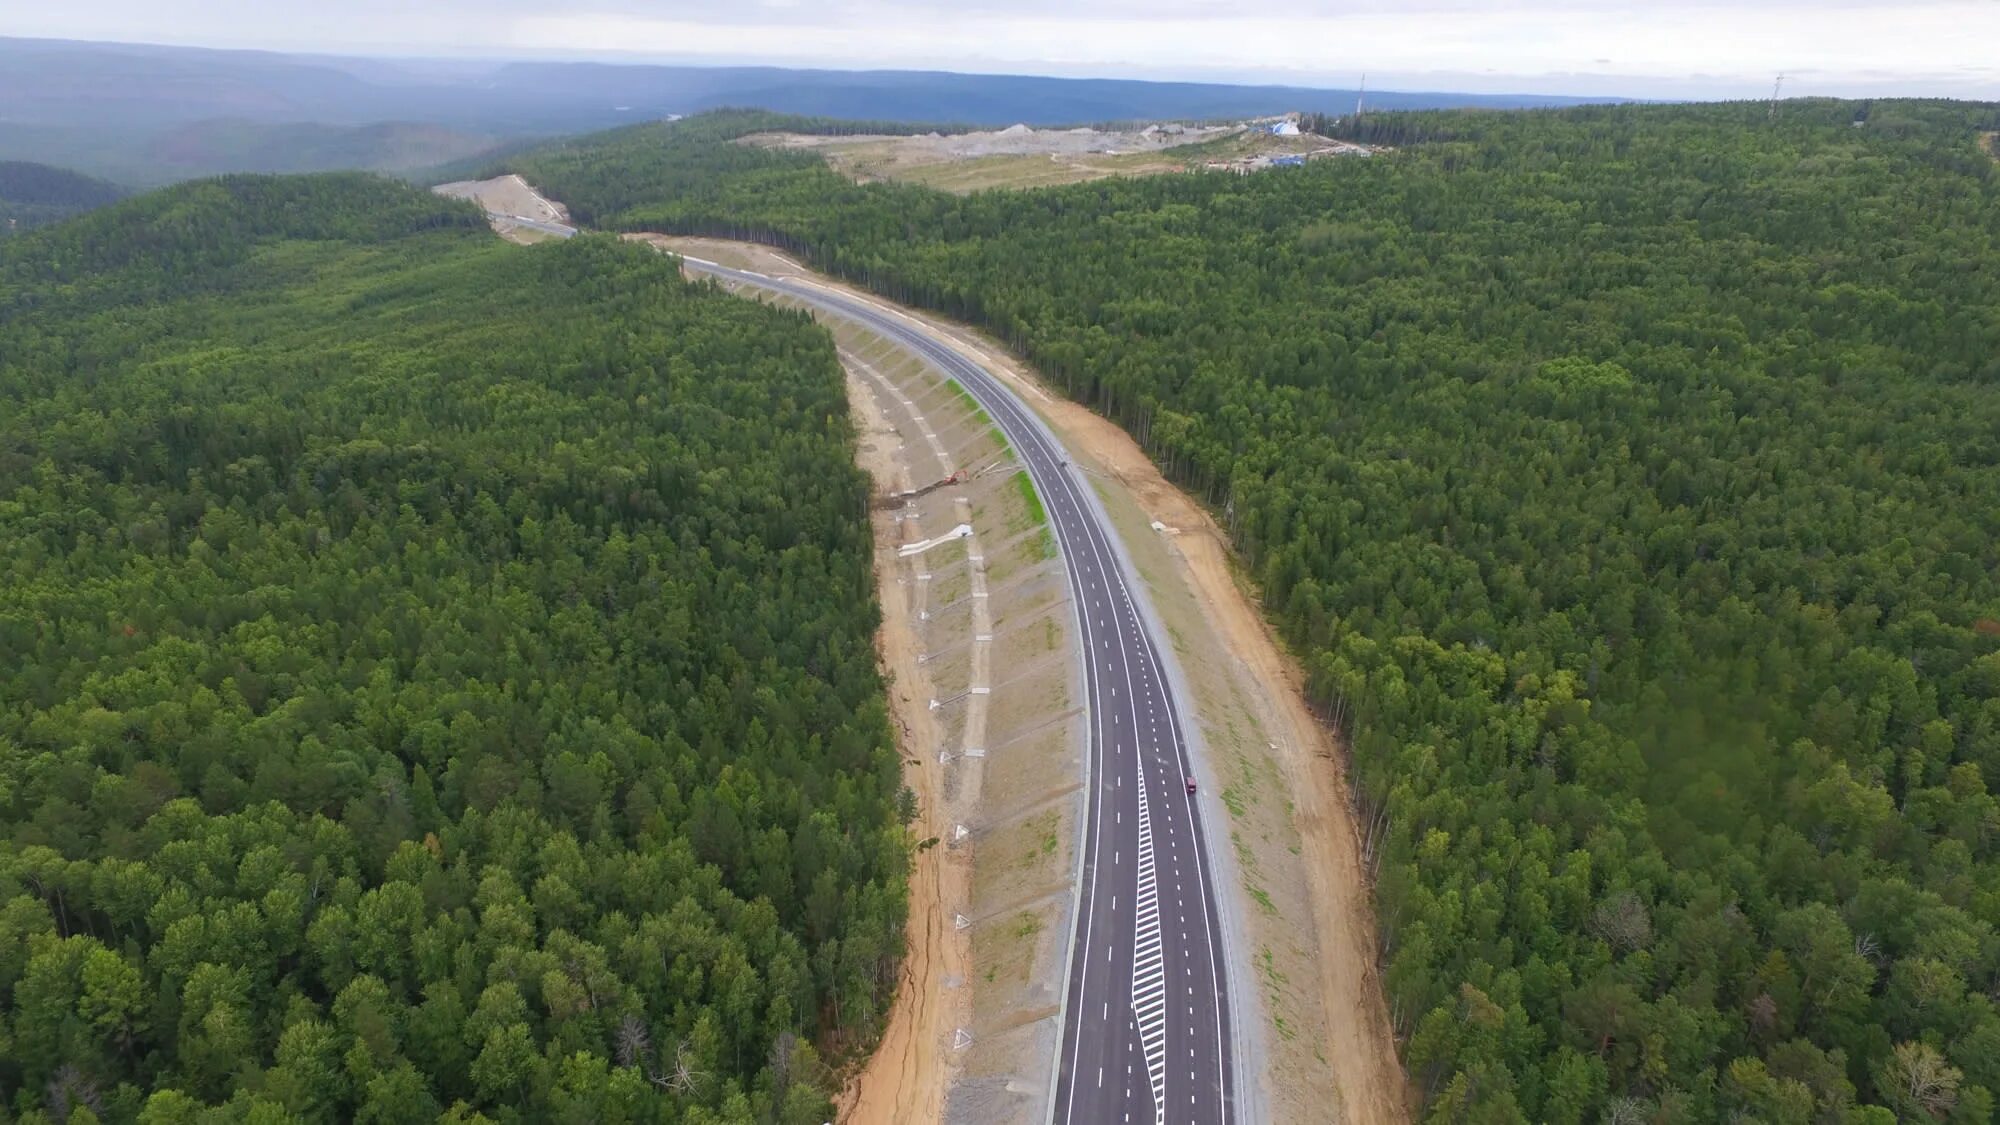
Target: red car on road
(1190, 782)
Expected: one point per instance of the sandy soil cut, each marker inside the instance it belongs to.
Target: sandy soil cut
(905, 1077)
(505, 196)
(1332, 1051)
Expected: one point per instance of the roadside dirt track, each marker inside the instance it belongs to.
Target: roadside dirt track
(904, 1080)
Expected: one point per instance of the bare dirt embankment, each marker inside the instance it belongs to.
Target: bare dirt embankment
(1020, 157)
(905, 1078)
(1331, 1050)
(1016, 157)
(509, 197)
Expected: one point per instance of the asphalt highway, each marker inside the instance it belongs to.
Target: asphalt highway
(1146, 1035)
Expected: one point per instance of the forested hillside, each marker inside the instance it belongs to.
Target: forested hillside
(1629, 480)
(689, 163)
(206, 148)
(34, 194)
(435, 677)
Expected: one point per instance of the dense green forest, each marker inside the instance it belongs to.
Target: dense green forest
(34, 194)
(436, 678)
(1629, 480)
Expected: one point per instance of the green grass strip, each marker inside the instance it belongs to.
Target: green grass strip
(979, 415)
(1034, 501)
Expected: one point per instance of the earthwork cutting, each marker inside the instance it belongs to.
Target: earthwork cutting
(1023, 157)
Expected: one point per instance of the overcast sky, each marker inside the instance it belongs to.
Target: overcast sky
(1659, 48)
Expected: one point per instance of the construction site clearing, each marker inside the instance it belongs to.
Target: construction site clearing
(1021, 157)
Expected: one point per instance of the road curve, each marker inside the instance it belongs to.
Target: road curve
(560, 230)
(1146, 1025)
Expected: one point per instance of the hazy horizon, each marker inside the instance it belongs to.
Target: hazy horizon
(1672, 50)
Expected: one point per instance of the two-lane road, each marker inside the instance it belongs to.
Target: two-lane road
(1146, 1032)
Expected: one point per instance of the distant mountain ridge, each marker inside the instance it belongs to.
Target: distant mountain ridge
(33, 194)
(145, 114)
(59, 82)
(258, 146)
(974, 99)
